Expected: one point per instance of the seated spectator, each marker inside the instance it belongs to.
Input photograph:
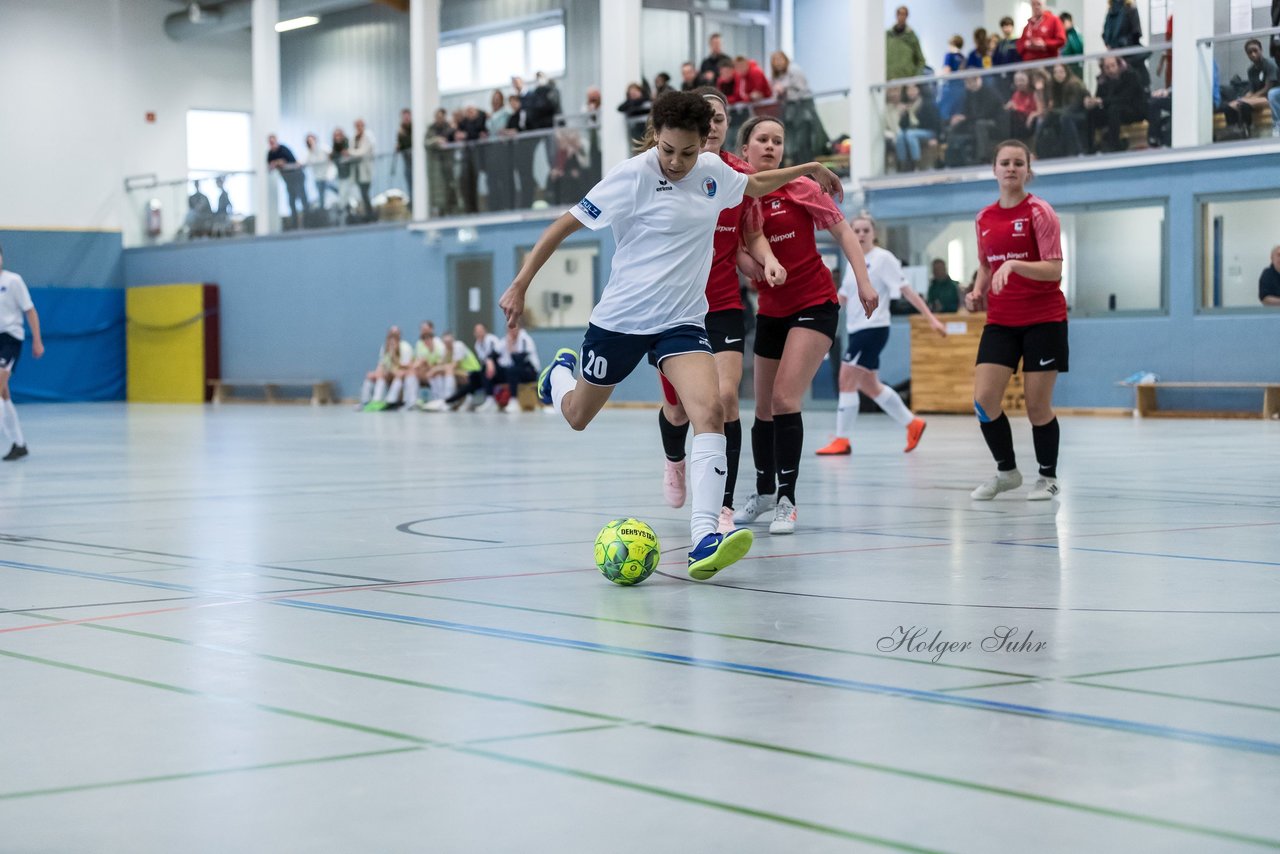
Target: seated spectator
(1043, 36)
(749, 83)
(428, 352)
(1269, 281)
(479, 380)
(979, 125)
(458, 364)
(1123, 28)
(952, 94)
(1119, 100)
(1058, 131)
(1262, 77)
(636, 104)
(1022, 106)
(944, 291)
(980, 56)
(395, 363)
(688, 77)
(516, 363)
(918, 124)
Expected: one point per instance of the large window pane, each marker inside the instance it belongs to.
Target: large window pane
(1115, 259)
(453, 67)
(546, 50)
(499, 58)
(564, 290)
(1238, 239)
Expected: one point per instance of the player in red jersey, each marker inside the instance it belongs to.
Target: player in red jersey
(1019, 279)
(795, 325)
(738, 229)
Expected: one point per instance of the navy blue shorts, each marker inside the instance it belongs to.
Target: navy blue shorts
(607, 358)
(10, 350)
(865, 346)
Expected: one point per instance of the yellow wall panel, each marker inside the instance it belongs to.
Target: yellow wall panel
(166, 350)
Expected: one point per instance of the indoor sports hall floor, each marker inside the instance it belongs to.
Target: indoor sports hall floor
(283, 629)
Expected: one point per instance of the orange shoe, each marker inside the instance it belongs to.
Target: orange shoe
(914, 431)
(838, 447)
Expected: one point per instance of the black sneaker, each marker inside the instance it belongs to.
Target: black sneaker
(17, 452)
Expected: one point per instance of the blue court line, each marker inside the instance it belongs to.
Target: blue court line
(102, 576)
(1193, 736)
(1139, 554)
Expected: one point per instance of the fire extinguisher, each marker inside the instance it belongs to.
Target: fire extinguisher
(154, 218)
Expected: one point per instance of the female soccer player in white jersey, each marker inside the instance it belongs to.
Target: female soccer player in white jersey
(738, 230)
(1020, 277)
(15, 304)
(663, 206)
(867, 337)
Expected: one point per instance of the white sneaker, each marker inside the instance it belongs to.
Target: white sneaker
(1045, 488)
(489, 405)
(434, 405)
(726, 523)
(757, 507)
(512, 407)
(1002, 481)
(784, 517)
(673, 489)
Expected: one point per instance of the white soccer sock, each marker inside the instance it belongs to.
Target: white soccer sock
(380, 389)
(846, 413)
(366, 391)
(562, 382)
(412, 387)
(893, 406)
(448, 386)
(9, 418)
(396, 385)
(708, 468)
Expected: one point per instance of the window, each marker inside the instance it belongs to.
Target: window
(480, 59)
(218, 144)
(564, 290)
(1237, 236)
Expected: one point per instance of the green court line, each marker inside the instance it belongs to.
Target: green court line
(629, 785)
(530, 735)
(702, 633)
(192, 775)
(887, 769)
(1191, 697)
(1169, 666)
(991, 685)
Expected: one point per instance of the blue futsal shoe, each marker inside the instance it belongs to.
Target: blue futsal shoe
(564, 356)
(716, 551)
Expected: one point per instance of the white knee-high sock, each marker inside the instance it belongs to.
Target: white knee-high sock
(893, 406)
(9, 418)
(394, 394)
(846, 413)
(412, 387)
(708, 468)
(562, 382)
(366, 391)
(380, 389)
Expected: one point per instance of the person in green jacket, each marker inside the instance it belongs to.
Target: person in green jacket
(944, 291)
(902, 54)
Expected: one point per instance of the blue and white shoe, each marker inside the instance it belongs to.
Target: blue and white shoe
(716, 551)
(564, 356)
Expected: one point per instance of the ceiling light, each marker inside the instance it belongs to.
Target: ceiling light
(297, 23)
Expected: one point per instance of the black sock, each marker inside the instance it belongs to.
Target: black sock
(788, 439)
(732, 452)
(762, 453)
(999, 438)
(672, 437)
(1045, 438)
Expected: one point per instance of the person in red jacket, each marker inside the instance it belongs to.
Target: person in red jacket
(1020, 281)
(749, 82)
(1043, 36)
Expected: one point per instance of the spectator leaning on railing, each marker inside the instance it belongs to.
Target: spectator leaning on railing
(362, 151)
(749, 82)
(281, 159)
(902, 54)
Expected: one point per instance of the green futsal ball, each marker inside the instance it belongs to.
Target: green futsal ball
(627, 551)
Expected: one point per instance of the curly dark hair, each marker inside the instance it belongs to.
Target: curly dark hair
(681, 111)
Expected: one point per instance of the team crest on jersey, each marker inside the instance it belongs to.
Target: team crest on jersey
(777, 204)
(591, 210)
(1019, 225)
(709, 187)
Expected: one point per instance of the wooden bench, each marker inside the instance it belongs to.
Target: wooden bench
(321, 390)
(1148, 408)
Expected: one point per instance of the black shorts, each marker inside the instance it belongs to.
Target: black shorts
(771, 332)
(865, 346)
(1041, 347)
(726, 330)
(608, 357)
(10, 350)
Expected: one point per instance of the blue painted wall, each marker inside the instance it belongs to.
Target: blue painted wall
(64, 259)
(1188, 343)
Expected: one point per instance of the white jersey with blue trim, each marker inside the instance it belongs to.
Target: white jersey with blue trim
(885, 272)
(664, 232)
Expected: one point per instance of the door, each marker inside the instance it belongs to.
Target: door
(471, 286)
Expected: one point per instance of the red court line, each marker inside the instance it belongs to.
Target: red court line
(948, 543)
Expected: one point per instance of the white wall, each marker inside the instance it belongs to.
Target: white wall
(79, 78)
(1249, 230)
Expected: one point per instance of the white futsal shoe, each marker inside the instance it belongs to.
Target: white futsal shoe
(756, 508)
(1002, 481)
(1045, 489)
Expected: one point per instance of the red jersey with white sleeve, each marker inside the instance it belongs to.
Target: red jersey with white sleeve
(1028, 231)
(791, 215)
(723, 291)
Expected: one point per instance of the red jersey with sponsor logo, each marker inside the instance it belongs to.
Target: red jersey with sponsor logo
(723, 290)
(1028, 231)
(791, 215)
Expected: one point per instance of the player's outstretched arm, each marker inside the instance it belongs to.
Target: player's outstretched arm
(763, 183)
(512, 302)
